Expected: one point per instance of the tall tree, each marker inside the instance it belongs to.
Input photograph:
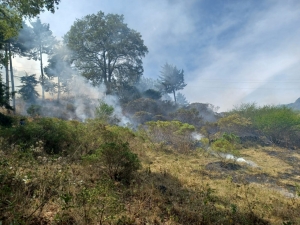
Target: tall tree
(171, 79)
(42, 43)
(59, 66)
(10, 23)
(11, 13)
(27, 90)
(105, 50)
(18, 45)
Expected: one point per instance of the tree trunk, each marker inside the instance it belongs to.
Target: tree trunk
(58, 88)
(6, 72)
(104, 69)
(174, 96)
(42, 73)
(12, 80)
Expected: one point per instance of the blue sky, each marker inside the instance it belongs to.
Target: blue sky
(232, 51)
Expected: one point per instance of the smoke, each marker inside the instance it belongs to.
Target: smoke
(85, 96)
(197, 136)
(77, 103)
(238, 159)
(118, 112)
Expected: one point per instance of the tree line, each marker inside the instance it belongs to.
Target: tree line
(100, 47)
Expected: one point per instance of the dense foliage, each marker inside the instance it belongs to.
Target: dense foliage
(278, 123)
(105, 50)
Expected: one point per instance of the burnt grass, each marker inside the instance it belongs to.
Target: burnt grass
(240, 174)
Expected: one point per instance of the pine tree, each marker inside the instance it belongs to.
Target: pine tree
(171, 79)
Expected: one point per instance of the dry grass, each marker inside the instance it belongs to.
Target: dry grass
(170, 188)
(232, 189)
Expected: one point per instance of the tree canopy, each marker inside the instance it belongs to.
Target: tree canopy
(171, 79)
(59, 65)
(30, 8)
(105, 50)
(42, 43)
(27, 90)
(10, 23)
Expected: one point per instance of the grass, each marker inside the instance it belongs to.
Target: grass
(170, 188)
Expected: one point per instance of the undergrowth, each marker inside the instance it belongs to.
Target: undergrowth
(66, 172)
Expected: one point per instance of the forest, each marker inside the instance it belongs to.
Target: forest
(90, 140)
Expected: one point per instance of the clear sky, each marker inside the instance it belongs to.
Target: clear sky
(231, 51)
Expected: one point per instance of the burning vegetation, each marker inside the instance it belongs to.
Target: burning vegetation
(101, 144)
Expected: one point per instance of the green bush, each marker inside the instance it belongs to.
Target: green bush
(120, 162)
(226, 145)
(190, 116)
(281, 125)
(34, 110)
(56, 135)
(104, 112)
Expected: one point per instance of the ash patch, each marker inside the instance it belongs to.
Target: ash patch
(262, 178)
(273, 153)
(292, 159)
(222, 166)
(285, 156)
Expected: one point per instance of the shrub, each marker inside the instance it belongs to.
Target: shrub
(57, 135)
(153, 94)
(190, 116)
(143, 104)
(34, 110)
(104, 112)
(174, 133)
(235, 123)
(120, 162)
(226, 145)
(142, 117)
(279, 124)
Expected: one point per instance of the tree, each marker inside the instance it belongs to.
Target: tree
(105, 50)
(171, 79)
(4, 99)
(16, 45)
(27, 90)
(10, 23)
(42, 43)
(150, 93)
(127, 93)
(59, 65)
(29, 8)
(181, 99)
(11, 13)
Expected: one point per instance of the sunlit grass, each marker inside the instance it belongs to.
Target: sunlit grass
(171, 187)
